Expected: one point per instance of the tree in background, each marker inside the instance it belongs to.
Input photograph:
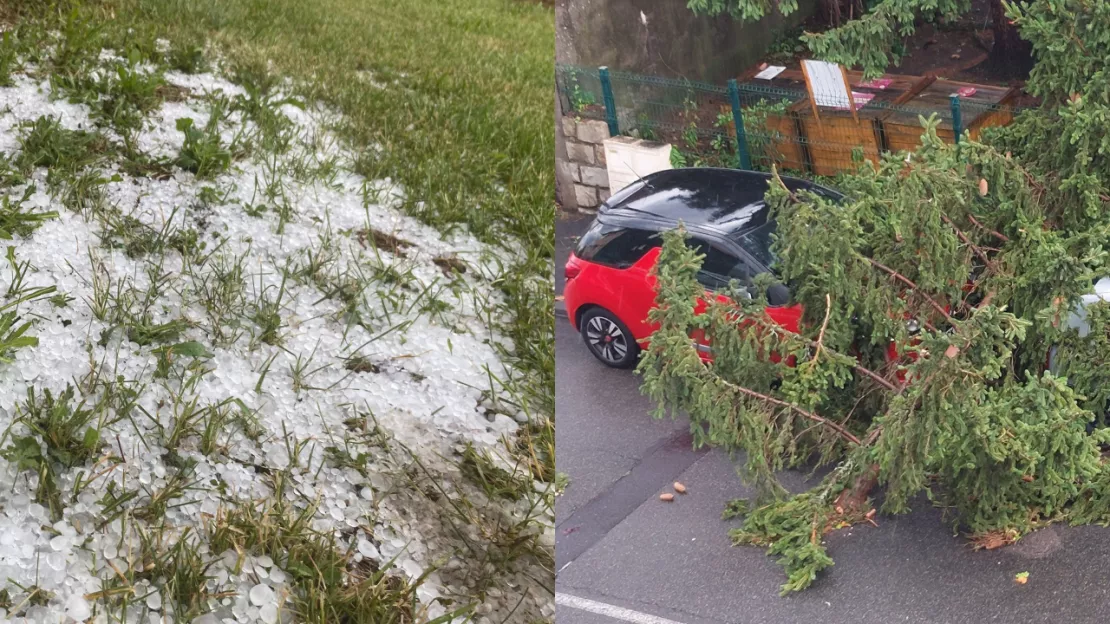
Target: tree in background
(871, 37)
(987, 248)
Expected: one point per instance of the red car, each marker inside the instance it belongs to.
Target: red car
(610, 286)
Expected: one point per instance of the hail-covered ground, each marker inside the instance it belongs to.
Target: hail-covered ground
(243, 351)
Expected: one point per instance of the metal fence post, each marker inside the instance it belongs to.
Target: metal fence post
(738, 121)
(957, 122)
(610, 103)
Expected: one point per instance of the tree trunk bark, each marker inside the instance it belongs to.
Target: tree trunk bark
(1011, 56)
(832, 12)
(852, 500)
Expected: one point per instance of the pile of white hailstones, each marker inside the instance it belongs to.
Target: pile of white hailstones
(426, 394)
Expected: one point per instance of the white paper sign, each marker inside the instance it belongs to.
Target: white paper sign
(770, 72)
(826, 81)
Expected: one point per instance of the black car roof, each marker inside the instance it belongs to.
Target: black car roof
(727, 200)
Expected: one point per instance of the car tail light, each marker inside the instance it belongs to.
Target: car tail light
(572, 268)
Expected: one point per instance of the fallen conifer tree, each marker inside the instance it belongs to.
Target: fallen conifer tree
(949, 343)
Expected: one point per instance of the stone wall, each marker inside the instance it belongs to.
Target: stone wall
(585, 161)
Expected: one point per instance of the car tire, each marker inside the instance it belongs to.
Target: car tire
(608, 339)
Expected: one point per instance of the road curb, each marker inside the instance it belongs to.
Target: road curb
(561, 309)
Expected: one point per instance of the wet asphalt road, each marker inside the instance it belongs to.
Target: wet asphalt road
(618, 546)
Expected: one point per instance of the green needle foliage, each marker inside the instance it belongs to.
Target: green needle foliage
(993, 248)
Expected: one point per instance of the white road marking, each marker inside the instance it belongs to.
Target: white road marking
(608, 610)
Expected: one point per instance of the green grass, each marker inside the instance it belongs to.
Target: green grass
(45, 143)
(70, 435)
(328, 588)
(120, 96)
(495, 481)
(202, 152)
(463, 122)
(14, 219)
(465, 127)
(462, 125)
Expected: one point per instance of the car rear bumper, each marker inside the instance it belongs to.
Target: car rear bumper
(571, 303)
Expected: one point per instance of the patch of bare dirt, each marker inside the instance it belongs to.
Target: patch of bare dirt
(171, 93)
(449, 265)
(383, 241)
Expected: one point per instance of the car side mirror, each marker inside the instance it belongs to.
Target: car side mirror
(778, 295)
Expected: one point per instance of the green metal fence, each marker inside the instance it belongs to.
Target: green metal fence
(777, 124)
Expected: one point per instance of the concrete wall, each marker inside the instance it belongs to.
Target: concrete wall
(663, 37)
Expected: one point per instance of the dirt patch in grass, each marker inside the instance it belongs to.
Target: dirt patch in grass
(361, 365)
(450, 265)
(172, 93)
(384, 241)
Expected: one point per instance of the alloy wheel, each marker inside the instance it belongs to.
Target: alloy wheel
(606, 339)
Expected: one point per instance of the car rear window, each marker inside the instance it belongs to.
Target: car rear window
(757, 242)
(719, 266)
(615, 246)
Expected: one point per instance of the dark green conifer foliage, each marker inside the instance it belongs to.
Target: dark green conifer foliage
(990, 246)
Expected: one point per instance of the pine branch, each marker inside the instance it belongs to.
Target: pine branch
(821, 334)
(851, 499)
(844, 433)
(902, 278)
(776, 178)
(1000, 236)
(975, 248)
(768, 323)
(874, 434)
(913, 286)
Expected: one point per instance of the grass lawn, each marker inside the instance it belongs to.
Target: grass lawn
(449, 101)
(456, 93)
